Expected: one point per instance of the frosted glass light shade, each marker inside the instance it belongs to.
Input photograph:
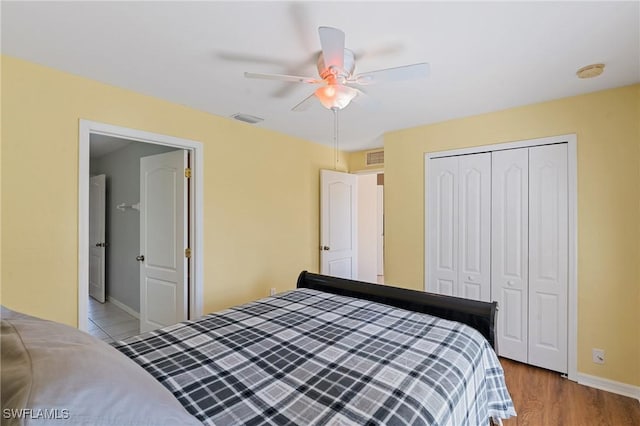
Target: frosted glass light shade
(335, 96)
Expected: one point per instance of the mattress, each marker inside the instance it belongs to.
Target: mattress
(306, 357)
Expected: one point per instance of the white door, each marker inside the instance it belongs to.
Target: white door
(442, 218)
(380, 230)
(459, 226)
(474, 221)
(97, 244)
(338, 224)
(548, 257)
(509, 250)
(163, 240)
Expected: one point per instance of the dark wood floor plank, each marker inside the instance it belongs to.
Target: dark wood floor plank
(544, 398)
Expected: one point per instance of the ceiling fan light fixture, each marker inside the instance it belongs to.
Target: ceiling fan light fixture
(335, 96)
(336, 65)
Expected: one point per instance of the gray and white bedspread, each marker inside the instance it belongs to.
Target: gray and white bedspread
(311, 358)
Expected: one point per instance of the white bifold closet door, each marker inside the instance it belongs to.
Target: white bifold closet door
(497, 229)
(548, 257)
(510, 250)
(530, 254)
(459, 224)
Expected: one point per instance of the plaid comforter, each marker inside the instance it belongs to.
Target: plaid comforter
(311, 358)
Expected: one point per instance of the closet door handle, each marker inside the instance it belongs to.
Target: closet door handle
(510, 283)
(140, 258)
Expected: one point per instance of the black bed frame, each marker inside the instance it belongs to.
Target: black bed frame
(479, 315)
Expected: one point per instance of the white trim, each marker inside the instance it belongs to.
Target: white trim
(86, 128)
(572, 314)
(367, 172)
(572, 183)
(124, 307)
(609, 385)
(502, 146)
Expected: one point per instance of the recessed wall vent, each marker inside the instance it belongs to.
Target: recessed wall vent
(251, 119)
(375, 158)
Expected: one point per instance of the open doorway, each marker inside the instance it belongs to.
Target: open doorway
(352, 225)
(128, 146)
(371, 227)
(114, 225)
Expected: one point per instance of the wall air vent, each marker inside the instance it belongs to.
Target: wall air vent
(251, 119)
(375, 158)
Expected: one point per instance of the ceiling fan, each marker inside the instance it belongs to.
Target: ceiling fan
(335, 68)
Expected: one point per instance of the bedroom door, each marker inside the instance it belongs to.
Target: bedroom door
(97, 244)
(163, 240)
(338, 224)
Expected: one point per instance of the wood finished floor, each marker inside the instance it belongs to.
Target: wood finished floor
(543, 398)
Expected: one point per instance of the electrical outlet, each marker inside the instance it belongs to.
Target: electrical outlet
(272, 291)
(597, 355)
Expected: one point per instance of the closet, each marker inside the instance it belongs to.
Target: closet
(497, 229)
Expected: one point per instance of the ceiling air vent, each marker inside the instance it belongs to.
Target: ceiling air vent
(251, 119)
(375, 158)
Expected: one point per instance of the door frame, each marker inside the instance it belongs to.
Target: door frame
(572, 186)
(196, 231)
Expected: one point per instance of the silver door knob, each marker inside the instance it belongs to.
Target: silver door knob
(140, 258)
(510, 283)
(101, 244)
(325, 248)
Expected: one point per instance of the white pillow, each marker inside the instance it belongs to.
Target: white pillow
(67, 377)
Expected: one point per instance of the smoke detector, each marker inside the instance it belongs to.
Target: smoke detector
(590, 71)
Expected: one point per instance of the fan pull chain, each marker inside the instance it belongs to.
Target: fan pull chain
(335, 138)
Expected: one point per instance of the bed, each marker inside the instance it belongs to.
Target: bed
(330, 352)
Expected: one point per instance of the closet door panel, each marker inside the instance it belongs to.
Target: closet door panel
(474, 277)
(509, 250)
(442, 211)
(548, 257)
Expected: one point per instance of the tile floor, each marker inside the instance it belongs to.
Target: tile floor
(110, 323)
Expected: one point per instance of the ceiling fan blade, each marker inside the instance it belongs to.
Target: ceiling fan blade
(305, 104)
(332, 42)
(283, 77)
(406, 72)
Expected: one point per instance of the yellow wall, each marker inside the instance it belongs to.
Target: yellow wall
(261, 198)
(261, 191)
(608, 134)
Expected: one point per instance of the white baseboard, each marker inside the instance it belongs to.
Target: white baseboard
(124, 307)
(609, 385)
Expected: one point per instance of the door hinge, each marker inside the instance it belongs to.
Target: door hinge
(187, 253)
(187, 172)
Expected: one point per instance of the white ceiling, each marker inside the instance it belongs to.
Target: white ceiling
(484, 56)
